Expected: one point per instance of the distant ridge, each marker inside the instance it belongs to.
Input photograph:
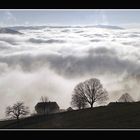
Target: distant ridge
(8, 31)
(65, 26)
(109, 27)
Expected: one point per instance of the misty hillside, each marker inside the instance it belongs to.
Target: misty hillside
(8, 31)
(115, 115)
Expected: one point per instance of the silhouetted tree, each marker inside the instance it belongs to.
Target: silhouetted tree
(126, 98)
(17, 110)
(78, 101)
(90, 91)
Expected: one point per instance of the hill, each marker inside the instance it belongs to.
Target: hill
(8, 31)
(115, 115)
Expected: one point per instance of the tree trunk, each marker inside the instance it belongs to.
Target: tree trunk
(17, 118)
(91, 105)
(17, 121)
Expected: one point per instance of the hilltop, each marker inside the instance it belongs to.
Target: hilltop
(115, 115)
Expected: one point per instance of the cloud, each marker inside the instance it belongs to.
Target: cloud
(95, 40)
(33, 40)
(9, 40)
(74, 55)
(4, 46)
(97, 60)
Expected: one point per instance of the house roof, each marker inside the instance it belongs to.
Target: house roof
(51, 105)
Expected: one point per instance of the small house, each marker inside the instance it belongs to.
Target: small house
(47, 107)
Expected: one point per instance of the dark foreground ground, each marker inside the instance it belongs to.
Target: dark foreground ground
(117, 115)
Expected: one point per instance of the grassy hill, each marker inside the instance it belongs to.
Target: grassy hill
(115, 115)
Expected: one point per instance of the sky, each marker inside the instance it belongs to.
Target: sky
(69, 17)
(51, 61)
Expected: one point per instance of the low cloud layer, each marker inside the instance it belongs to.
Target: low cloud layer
(51, 61)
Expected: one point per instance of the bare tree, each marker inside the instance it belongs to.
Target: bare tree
(91, 91)
(44, 99)
(17, 110)
(78, 101)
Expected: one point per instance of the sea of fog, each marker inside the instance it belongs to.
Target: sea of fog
(50, 61)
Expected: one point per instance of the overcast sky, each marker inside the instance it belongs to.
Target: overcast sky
(69, 17)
